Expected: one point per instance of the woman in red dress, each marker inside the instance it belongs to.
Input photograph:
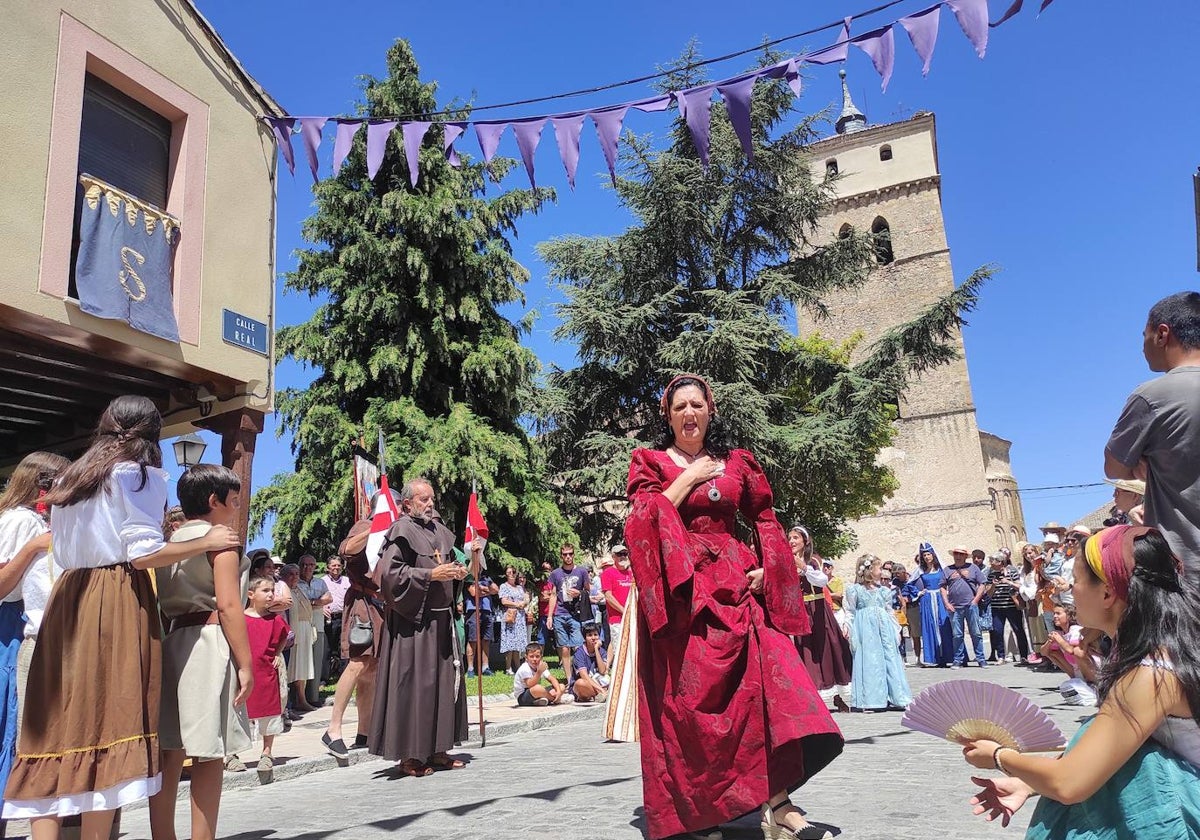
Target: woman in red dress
(730, 721)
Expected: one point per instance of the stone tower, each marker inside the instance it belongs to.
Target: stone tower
(955, 483)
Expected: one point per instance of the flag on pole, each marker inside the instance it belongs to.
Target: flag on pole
(366, 482)
(385, 514)
(476, 527)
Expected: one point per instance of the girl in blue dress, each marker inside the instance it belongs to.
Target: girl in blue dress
(937, 635)
(878, 672)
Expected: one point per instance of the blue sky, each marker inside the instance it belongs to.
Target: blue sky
(1066, 159)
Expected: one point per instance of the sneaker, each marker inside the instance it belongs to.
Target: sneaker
(470, 674)
(955, 667)
(360, 742)
(487, 672)
(233, 764)
(567, 698)
(266, 770)
(982, 664)
(1033, 659)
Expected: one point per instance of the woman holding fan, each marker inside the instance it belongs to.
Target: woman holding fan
(1133, 771)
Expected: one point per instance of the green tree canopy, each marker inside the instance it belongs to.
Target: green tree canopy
(408, 339)
(704, 282)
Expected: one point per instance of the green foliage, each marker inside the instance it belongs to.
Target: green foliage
(408, 339)
(704, 282)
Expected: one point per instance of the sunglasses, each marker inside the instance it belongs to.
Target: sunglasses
(1071, 539)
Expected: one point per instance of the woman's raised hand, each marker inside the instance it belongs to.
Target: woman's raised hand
(704, 468)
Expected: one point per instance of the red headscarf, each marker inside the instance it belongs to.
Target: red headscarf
(666, 408)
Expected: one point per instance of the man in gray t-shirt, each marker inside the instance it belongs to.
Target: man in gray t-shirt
(1157, 437)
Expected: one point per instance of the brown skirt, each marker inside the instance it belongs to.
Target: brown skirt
(89, 735)
(825, 651)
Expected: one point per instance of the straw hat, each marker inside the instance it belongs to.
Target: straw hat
(1132, 485)
(1052, 527)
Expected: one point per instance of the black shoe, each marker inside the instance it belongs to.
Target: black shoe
(336, 747)
(360, 742)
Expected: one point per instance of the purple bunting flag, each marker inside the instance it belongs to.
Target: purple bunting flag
(838, 52)
(377, 135)
(282, 127)
(1016, 7)
(653, 105)
(922, 29)
(737, 97)
(880, 45)
(973, 18)
(450, 133)
(343, 141)
(414, 133)
(488, 135)
(793, 76)
(310, 133)
(566, 131)
(695, 106)
(529, 134)
(608, 130)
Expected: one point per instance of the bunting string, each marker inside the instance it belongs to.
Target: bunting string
(694, 104)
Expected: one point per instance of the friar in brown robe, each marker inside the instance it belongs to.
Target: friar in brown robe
(420, 708)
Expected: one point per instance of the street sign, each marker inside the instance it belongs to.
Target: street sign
(245, 332)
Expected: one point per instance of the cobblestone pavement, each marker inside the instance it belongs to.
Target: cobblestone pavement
(563, 782)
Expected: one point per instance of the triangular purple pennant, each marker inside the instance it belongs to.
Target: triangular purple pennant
(793, 76)
(566, 132)
(450, 133)
(529, 134)
(488, 135)
(608, 129)
(343, 141)
(1045, 3)
(880, 45)
(695, 106)
(652, 105)
(310, 133)
(414, 133)
(737, 95)
(922, 29)
(972, 17)
(1012, 10)
(282, 127)
(377, 135)
(833, 54)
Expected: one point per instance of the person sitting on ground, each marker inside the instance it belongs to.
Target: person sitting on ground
(1132, 771)
(1063, 646)
(589, 668)
(527, 682)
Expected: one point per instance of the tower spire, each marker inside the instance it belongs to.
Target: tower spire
(852, 119)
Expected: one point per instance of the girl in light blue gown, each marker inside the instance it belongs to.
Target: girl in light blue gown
(878, 673)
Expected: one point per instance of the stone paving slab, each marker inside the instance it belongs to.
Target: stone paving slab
(563, 781)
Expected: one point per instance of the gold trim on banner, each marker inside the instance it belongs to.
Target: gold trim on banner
(95, 189)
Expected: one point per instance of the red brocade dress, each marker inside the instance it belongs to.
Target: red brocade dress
(727, 712)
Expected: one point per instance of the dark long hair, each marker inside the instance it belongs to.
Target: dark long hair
(128, 430)
(1162, 615)
(716, 436)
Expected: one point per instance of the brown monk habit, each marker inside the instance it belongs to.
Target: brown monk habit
(420, 700)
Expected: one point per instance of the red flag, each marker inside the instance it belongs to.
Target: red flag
(385, 514)
(476, 527)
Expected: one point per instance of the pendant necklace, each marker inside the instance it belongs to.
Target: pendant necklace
(713, 493)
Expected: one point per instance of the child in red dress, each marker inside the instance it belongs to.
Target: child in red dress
(268, 631)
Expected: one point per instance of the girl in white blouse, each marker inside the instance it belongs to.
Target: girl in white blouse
(89, 737)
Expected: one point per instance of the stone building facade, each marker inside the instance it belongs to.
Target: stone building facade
(955, 482)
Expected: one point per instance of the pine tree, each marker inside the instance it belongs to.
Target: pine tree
(408, 338)
(704, 282)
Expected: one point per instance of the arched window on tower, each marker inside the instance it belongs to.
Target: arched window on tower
(885, 152)
(845, 231)
(831, 168)
(881, 236)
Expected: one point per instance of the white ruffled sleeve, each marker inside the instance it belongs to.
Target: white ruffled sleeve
(17, 527)
(815, 576)
(142, 509)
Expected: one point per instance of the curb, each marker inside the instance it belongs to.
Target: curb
(320, 763)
